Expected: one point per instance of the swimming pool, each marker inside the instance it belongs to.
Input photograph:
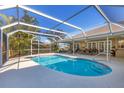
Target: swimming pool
(75, 66)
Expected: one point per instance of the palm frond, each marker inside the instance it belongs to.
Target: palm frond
(6, 18)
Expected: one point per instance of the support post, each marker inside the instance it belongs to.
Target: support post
(7, 47)
(19, 37)
(73, 47)
(57, 44)
(51, 47)
(18, 53)
(1, 42)
(31, 47)
(38, 46)
(107, 55)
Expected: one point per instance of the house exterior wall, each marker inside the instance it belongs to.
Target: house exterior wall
(119, 51)
(82, 44)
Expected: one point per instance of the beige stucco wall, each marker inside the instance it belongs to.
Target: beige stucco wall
(120, 53)
(82, 44)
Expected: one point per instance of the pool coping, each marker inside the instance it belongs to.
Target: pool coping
(110, 79)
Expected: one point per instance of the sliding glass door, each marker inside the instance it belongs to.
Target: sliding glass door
(101, 46)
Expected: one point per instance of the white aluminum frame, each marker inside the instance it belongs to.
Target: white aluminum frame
(7, 7)
(33, 43)
(45, 15)
(44, 28)
(55, 19)
(58, 20)
(16, 23)
(38, 45)
(52, 18)
(118, 25)
(31, 32)
(8, 34)
(25, 24)
(1, 41)
(9, 25)
(105, 17)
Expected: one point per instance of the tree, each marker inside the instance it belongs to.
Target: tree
(5, 18)
(13, 40)
(1, 23)
(29, 19)
(24, 42)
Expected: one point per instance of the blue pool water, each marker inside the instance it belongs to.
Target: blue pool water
(73, 66)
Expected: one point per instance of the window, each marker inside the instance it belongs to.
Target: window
(77, 46)
(121, 43)
(89, 46)
(101, 46)
(94, 45)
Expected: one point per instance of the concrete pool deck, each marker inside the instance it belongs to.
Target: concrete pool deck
(31, 74)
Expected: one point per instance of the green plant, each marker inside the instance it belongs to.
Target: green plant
(23, 42)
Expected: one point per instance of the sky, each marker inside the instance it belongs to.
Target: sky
(115, 14)
(87, 19)
(42, 38)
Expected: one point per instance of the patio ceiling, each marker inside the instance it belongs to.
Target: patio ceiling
(68, 20)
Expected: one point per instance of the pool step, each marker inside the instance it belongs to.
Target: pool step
(98, 69)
